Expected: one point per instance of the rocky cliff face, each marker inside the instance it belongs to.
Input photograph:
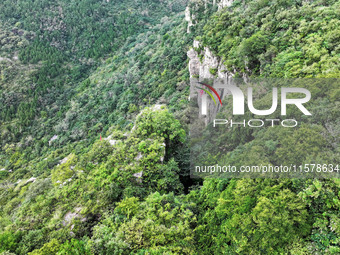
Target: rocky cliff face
(211, 68)
(224, 3)
(190, 16)
(204, 65)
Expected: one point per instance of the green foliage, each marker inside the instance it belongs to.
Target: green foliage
(276, 38)
(252, 217)
(32, 240)
(301, 144)
(161, 223)
(213, 71)
(7, 253)
(75, 246)
(75, 70)
(151, 122)
(128, 207)
(50, 248)
(65, 64)
(65, 170)
(8, 241)
(99, 152)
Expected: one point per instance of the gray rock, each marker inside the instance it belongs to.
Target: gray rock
(138, 176)
(32, 179)
(55, 137)
(139, 156)
(72, 215)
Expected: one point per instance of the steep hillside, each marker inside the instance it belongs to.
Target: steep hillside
(47, 91)
(72, 72)
(271, 40)
(94, 145)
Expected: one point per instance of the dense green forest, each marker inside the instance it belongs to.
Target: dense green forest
(94, 137)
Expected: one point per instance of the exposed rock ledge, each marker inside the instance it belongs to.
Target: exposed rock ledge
(209, 62)
(224, 3)
(211, 67)
(190, 17)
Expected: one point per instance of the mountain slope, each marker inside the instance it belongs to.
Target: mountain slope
(94, 138)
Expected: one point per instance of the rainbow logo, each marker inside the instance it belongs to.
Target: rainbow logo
(209, 93)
